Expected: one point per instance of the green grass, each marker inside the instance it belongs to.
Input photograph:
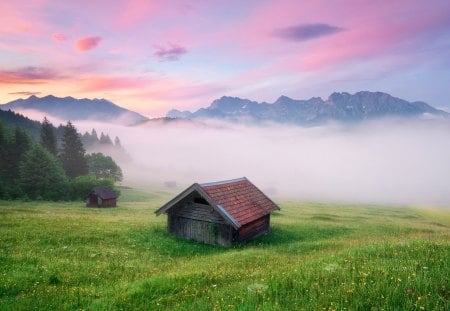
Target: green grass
(57, 256)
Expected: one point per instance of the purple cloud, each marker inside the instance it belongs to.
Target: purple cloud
(26, 93)
(306, 32)
(36, 72)
(170, 53)
(28, 75)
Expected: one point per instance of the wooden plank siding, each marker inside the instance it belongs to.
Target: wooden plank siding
(254, 229)
(203, 227)
(109, 202)
(200, 212)
(201, 231)
(94, 200)
(199, 222)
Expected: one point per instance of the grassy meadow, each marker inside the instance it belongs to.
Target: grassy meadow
(56, 256)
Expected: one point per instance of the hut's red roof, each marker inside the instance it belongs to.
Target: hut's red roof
(237, 200)
(240, 198)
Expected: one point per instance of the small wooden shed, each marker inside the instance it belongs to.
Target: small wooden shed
(222, 213)
(101, 196)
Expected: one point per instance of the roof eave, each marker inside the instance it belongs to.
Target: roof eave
(215, 183)
(175, 200)
(196, 187)
(218, 208)
(226, 215)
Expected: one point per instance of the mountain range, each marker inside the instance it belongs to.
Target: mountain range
(342, 107)
(69, 108)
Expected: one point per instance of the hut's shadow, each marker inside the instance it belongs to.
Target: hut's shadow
(157, 239)
(299, 238)
(283, 238)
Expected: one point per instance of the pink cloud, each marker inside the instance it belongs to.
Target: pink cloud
(164, 91)
(59, 37)
(15, 17)
(104, 83)
(87, 43)
(190, 95)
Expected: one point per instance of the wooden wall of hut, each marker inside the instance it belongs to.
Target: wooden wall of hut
(254, 229)
(200, 222)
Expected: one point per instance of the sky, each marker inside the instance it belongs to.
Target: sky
(152, 56)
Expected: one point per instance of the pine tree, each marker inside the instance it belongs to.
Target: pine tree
(3, 144)
(41, 175)
(117, 142)
(94, 135)
(90, 140)
(72, 153)
(13, 146)
(105, 139)
(86, 139)
(22, 143)
(48, 139)
(6, 154)
(3, 148)
(13, 150)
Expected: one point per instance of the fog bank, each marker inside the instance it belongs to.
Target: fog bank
(390, 161)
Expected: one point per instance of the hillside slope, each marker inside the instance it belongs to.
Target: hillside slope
(69, 108)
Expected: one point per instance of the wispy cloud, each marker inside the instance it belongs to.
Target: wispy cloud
(172, 52)
(25, 93)
(28, 75)
(305, 32)
(87, 43)
(103, 83)
(59, 37)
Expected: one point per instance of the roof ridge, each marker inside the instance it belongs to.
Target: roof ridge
(222, 182)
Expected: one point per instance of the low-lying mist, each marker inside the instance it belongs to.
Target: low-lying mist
(390, 161)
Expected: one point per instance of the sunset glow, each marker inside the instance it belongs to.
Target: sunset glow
(152, 56)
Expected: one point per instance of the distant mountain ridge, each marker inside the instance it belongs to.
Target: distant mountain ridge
(69, 108)
(343, 107)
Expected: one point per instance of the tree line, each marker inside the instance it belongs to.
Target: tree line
(40, 170)
(91, 141)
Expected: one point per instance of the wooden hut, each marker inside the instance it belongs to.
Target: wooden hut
(221, 213)
(101, 196)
